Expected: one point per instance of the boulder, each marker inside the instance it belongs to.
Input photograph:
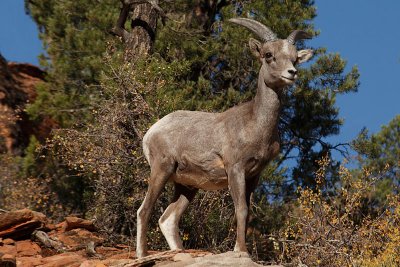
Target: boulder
(20, 224)
(27, 248)
(75, 222)
(7, 260)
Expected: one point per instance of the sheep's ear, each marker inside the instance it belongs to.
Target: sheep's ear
(255, 47)
(304, 55)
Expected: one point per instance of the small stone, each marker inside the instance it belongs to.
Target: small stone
(182, 257)
(8, 260)
(8, 257)
(50, 227)
(92, 263)
(8, 241)
(61, 227)
(29, 261)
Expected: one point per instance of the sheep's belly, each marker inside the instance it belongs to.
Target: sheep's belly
(199, 181)
(206, 172)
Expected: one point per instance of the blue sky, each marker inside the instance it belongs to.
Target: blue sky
(365, 32)
(19, 39)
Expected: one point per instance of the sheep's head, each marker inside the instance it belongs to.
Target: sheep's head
(278, 56)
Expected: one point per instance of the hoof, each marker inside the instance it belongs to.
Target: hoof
(241, 254)
(238, 249)
(141, 254)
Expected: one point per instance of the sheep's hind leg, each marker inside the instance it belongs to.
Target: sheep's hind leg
(169, 221)
(160, 173)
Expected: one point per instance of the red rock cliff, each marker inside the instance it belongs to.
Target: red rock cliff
(17, 88)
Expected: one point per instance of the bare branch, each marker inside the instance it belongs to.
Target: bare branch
(1, 210)
(48, 242)
(119, 29)
(153, 3)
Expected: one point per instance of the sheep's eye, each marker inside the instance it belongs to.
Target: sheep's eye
(268, 55)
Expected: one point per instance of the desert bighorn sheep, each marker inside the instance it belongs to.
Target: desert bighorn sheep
(210, 151)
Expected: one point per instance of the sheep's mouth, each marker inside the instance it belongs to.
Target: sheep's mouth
(289, 79)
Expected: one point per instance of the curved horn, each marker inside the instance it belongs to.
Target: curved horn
(257, 27)
(297, 35)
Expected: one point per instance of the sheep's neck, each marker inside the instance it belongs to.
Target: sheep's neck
(266, 108)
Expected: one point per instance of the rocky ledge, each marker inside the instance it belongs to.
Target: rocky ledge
(28, 239)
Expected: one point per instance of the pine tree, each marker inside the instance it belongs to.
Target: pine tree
(381, 151)
(379, 154)
(75, 36)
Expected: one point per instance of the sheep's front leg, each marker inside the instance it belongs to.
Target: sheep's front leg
(237, 185)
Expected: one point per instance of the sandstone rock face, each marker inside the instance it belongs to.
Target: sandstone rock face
(17, 88)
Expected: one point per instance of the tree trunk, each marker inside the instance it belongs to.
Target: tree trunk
(140, 40)
(204, 12)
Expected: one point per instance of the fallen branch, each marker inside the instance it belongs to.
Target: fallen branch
(1, 210)
(119, 29)
(43, 238)
(147, 261)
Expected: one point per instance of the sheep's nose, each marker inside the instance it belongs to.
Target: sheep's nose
(292, 71)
